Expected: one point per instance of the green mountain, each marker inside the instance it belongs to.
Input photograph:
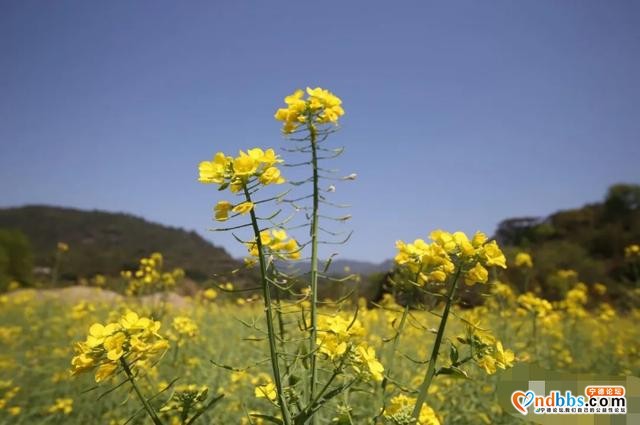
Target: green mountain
(590, 240)
(106, 243)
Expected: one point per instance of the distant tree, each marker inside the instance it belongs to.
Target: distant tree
(4, 265)
(518, 231)
(622, 199)
(16, 259)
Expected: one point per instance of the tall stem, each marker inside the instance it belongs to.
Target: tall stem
(431, 370)
(286, 416)
(527, 278)
(152, 414)
(394, 349)
(314, 268)
(535, 336)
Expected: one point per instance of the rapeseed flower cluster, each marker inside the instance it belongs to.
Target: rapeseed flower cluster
(496, 357)
(632, 252)
(133, 338)
(399, 410)
(61, 405)
(523, 260)
(186, 399)
(9, 334)
(8, 391)
(539, 307)
(150, 276)
(341, 341)
(436, 261)
(502, 291)
(599, 288)
(183, 328)
(81, 309)
(209, 294)
(266, 389)
(277, 243)
(319, 107)
(236, 173)
(575, 300)
(567, 274)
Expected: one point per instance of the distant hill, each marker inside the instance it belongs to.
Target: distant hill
(590, 240)
(106, 243)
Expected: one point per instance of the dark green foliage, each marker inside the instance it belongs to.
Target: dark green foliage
(621, 200)
(16, 262)
(106, 243)
(589, 240)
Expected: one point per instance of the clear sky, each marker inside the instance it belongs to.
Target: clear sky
(458, 114)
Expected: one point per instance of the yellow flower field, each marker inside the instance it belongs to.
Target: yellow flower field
(205, 338)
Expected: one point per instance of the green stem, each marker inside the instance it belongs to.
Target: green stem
(175, 352)
(431, 370)
(324, 388)
(314, 268)
(535, 336)
(152, 414)
(286, 416)
(527, 278)
(282, 333)
(394, 348)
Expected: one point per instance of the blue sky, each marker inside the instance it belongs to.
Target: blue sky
(458, 114)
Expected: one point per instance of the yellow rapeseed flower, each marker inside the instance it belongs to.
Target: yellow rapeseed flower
(235, 173)
(320, 107)
(400, 408)
(210, 294)
(107, 345)
(494, 256)
(215, 171)
(244, 165)
(632, 252)
(61, 405)
(243, 208)
(477, 274)
(277, 243)
(271, 176)
(367, 355)
(268, 391)
(523, 260)
(435, 262)
(222, 209)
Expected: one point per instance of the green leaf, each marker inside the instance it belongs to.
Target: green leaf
(302, 349)
(207, 407)
(453, 371)
(271, 419)
(453, 354)
(293, 380)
